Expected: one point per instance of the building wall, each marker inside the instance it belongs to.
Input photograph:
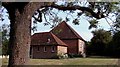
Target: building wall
(81, 46)
(36, 54)
(72, 46)
(39, 53)
(61, 49)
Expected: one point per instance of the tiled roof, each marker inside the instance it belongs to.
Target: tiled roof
(46, 38)
(64, 31)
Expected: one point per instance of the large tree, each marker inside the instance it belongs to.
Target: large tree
(114, 46)
(100, 41)
(20, 18)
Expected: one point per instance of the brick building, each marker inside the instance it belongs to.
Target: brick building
(76, 44)
(61, 39)
(46, 45)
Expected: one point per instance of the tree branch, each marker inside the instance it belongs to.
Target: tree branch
(46, 19)
(64, 8)
(110, 25)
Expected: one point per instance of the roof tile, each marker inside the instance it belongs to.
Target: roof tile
(46, 38)
(64, 31)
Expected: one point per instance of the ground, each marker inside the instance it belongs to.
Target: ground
(71, 61)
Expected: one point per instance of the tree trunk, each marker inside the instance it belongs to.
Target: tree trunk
(20, 38)
(20, 32)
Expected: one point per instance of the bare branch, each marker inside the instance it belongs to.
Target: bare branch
(110, 19)
(46, 19)
(65, 8)
(110, 25)
(51, 14)
(70, 15)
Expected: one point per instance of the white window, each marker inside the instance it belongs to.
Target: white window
(45, 50)
(52, 48)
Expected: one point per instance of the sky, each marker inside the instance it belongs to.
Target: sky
(81, 29)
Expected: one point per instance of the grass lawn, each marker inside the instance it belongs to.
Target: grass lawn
(71, 61)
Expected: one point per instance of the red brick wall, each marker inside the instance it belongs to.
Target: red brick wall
(41, 54)
(48, 54)
(72, 46)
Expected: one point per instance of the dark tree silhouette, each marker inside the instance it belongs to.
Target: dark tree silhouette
(100, 41)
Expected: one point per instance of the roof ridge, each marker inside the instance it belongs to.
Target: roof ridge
(53, 36)
(56, 39)
(41, 32)
(76, 34)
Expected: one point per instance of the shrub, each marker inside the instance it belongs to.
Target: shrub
(62, 56)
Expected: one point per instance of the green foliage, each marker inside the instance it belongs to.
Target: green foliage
(5, 47)
(117, 23)
(103, 43)
(114, 46)
(62, 56)
(101, 9)
(99, 42)
(76, 21)
(101, 36)
(93, 23)
(5, 39)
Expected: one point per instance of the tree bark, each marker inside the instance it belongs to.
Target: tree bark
(20, 32)
(20, 39)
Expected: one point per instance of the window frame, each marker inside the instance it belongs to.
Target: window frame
(52, 48)
(44, 49)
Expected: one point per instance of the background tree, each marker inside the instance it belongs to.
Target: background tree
(5, 50)
(114, 46)
(99, 42)
(20, 17)
(5, 39)
(117, 24)
(0, 43)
